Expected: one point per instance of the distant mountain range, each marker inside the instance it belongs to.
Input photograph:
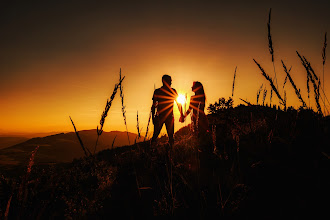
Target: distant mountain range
(63, 147)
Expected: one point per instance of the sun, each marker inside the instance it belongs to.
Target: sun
(181, 99)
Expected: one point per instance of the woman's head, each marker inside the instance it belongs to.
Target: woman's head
(197, 88)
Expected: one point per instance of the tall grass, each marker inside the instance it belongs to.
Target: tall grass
(258, 93)
(308, 91)
(270, 44)
(113, 142)
(264, 96)
(145, 137)
(86, 150)
(324, 57)
(297, 91)
(270, 80)
(247, 102)
(232, 92)
(324, 54)
(123, 106)
(313, 78)
(106, 110)
(138, 125)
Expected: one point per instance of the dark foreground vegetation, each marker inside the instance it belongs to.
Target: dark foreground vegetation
(258, 162)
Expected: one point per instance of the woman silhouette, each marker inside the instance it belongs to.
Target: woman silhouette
(199, 120)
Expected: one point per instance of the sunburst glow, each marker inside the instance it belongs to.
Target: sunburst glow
(181, 99)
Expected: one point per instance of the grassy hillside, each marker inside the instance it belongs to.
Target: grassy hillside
(257, 162)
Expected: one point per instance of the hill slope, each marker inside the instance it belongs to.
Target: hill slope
(10, 141)
(63, 147)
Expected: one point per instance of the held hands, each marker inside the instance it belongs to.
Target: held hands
(182, 118)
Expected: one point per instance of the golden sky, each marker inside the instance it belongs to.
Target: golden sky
(59, 60)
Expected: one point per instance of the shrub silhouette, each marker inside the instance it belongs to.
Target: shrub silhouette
(219, 106)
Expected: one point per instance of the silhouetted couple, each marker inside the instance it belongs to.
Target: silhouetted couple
(162, 109)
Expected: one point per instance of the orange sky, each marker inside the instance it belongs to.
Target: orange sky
(63, 60)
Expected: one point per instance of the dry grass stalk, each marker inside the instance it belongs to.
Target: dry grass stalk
(271, 83)
(324, 57)
(8, 207)
(107, 107)
(313, 78)
(270, 44)
(284, 96)
(308, 91)
(106, 110)
(258, 93)
(145, 137)
(123, 106)
(232, 92)
(297, 91)
(28, 171)
(138, 125)
(307, 65)
(264, 96)
(248, 103)
(286, 78)
(113, 142)
(87, 152)
(270, 98)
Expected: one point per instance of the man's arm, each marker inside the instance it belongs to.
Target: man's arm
(190, 107)
(180, 108)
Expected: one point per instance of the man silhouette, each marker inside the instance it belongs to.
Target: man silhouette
(163, 101)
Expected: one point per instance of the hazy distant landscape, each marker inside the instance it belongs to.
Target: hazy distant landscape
(63, 147)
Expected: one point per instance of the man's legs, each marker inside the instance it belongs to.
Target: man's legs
(158, 124)
(169, 123)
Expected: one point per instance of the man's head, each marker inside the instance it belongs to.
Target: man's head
(167, 80)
